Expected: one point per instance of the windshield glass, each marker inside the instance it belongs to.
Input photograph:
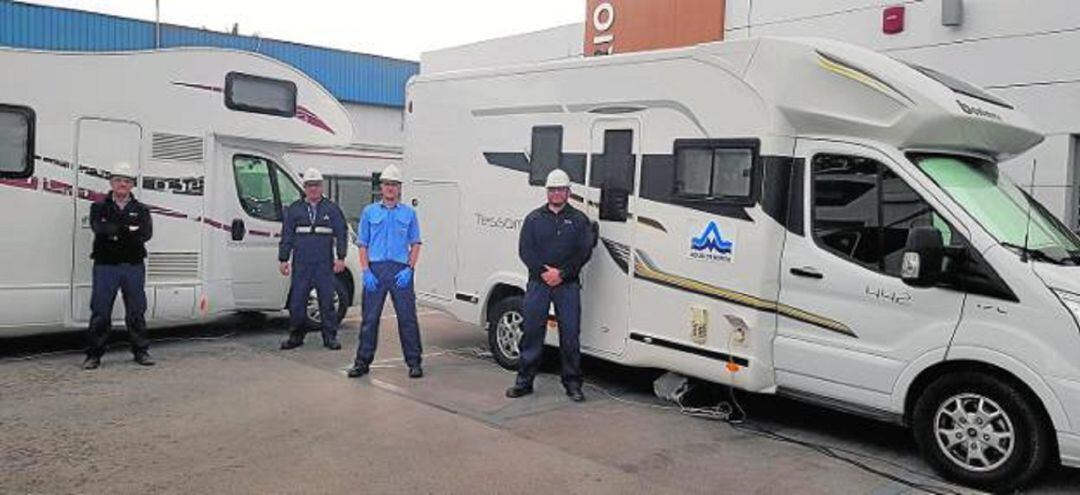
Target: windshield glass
(1001, 207)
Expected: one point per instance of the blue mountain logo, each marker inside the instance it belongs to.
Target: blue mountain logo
(711, 240)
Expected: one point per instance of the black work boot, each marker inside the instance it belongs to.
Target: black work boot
(518, 391)
(143, 358)
(357, 371)
(416, 372)
(92, 363)
(574, 393)
(292, 342)
(332, 343)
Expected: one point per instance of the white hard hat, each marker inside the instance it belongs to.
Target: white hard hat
(557, 178)
(312, 175)
(123, 169)
(390, 174)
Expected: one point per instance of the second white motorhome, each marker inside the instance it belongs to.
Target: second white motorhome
(790, 216)
(206, 131)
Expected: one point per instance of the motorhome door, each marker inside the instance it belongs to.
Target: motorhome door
(263, 188)
(100, 145)
(611, 174)
(848, 324)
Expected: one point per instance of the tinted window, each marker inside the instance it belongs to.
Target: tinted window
(255, 187)
(352, 194)
(546, 153)
(613, 172)
(16, 142)
(863, 211)
(713, 171)
(248, 93)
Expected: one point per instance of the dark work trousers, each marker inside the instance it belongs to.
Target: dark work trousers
(130, 278)
(404, 300)
(304, 277)
(567, 300)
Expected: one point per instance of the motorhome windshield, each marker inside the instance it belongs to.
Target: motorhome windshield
(1002, 208)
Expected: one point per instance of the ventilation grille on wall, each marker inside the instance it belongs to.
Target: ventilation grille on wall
(172, 266)
(177, 148)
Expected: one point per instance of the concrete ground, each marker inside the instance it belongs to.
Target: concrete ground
(224, 411)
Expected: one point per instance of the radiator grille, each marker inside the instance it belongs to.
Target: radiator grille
(176, 147)
(172, 266)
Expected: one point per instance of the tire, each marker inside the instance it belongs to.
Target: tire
(1010, 433)
(504, 331)
(313, 321)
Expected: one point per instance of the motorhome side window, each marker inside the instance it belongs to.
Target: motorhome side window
(546, 153)
(16, 142)
(262, 188)
(256, 94)
(863, 212)
(713, 171)
(613, 172)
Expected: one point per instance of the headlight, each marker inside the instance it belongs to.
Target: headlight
(1071, 301)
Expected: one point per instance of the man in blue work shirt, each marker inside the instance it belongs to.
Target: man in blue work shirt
(556, 242)
(313, 228)
(389, 240)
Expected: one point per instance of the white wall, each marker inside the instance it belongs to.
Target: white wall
(549, 44)
(376, 126)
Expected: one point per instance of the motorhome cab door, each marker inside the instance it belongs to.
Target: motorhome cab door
(854, 325)
(100, 145)
(611, 174)
(263, 189)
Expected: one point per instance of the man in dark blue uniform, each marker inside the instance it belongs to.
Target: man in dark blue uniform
(313, 228)
(389, 240)
(122, 226)
(556, 242)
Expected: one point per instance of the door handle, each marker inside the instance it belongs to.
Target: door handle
(808, 272)
(238, 230)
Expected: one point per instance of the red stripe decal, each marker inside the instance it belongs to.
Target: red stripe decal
(309, 117)
(28, 183)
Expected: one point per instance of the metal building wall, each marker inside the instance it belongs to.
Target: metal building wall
(351, 77)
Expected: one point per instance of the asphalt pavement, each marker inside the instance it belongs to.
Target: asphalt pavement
(225, 411)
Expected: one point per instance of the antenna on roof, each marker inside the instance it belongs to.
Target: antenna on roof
(1031, 206)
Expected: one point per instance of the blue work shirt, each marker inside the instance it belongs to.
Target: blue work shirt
(388, 233)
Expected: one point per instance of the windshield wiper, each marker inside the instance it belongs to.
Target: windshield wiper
(1036, 254)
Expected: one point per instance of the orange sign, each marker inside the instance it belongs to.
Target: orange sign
(621, 26)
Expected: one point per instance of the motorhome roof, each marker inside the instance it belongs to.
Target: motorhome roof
(818, 87)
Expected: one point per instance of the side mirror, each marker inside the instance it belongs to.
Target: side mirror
(238, 229)
(614, 204)
(923, 257)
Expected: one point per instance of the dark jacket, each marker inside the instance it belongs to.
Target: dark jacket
(120, 236)
(311, 243)
(563, 241)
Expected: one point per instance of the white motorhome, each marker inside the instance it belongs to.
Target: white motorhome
(790, 216)
(206, 131)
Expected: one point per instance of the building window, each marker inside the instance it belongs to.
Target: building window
(16, 142)
(714, 171)
(546, 153)
(248, 93)
(863, 212)
(352, 194)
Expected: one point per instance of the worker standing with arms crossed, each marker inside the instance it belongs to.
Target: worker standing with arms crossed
(389, 240)
(313, 229)
(122, 226)
(556, 242)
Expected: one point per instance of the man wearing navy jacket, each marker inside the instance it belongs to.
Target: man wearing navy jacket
(312, 230)
(555, 243)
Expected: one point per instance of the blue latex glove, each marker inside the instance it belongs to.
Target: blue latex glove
(371, 283)
(404, 277)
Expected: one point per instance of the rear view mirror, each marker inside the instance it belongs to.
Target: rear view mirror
(923, 257)
(614, 204)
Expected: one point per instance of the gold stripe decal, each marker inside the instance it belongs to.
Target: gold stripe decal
(645, 269)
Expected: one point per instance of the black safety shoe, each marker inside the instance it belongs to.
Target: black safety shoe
(143, 359)
(332, 344)
(91, 363)
(518, 391)
(575, 394)
(357, 371)
(416, 372)
(291, 344)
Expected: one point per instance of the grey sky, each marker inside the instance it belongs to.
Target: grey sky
(395, 28)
